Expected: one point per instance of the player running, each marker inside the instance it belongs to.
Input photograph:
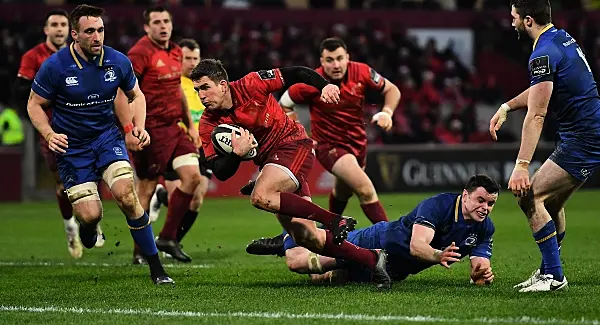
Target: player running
(191, 57)
(441, 230)
(560, 76)
(157, 63)
(56, 28)
(285, 155)
(339, 129)
(80, 84)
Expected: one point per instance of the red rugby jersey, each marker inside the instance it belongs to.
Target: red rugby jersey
(256, 110)
(159, 72)
(341, 123)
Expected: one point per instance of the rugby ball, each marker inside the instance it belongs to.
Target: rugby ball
(221, 140)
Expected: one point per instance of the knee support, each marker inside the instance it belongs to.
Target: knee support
(83, 192)
(116, 171)
(190, 159)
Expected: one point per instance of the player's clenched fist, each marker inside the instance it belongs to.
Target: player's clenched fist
(383, 119)
(57, 142)
(243, 143)
(142, 135)
(330, 94)
(482, 274)
(450, 254)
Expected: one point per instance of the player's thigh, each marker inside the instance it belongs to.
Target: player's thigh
(348, 170)
(186, 155)
(550, 183)
(77, 166)
(155, 159)
(286, 169)
(118, 175)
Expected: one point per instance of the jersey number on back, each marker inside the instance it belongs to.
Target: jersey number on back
(580, 52)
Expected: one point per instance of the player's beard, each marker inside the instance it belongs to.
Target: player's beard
(521, 33)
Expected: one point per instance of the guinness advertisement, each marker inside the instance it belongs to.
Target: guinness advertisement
(447, 168)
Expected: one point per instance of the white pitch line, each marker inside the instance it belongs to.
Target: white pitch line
(170, 265)
(284, 315)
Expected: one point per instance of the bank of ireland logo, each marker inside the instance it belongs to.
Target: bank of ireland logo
(118, 151)
(93, 97)
(109, 76)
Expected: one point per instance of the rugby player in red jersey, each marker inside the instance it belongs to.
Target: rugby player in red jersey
(56, 28)
(157, 62)
(285, 155)
(339, 129)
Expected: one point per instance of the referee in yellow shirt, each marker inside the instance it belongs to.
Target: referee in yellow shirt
(191, 58)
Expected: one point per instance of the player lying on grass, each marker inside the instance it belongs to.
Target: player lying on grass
(441, 230)
(285, 155)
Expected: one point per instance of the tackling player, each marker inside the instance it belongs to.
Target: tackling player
(285, 155)
(157, 63)
(191, 57)
(441, 230)
(80, 84)
(56, 28)
(339, 129)
(560, 76)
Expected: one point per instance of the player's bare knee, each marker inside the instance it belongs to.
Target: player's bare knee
(88, 212)
(262, 200)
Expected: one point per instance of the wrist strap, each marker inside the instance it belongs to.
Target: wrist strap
(128, 128)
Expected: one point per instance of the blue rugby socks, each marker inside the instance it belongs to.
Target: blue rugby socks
(559, 239)
(548, 244)
(141, 231)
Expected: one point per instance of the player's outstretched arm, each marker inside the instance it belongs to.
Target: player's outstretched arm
(537, 106)
(293, 75)
(420, 248)
(481, 271)
(499, 118)
(39, 119)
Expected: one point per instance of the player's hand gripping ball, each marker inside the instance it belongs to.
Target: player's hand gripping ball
(222, 141)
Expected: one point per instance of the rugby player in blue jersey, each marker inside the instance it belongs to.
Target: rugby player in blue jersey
(441, 230)
(80, 83)
(560, 77)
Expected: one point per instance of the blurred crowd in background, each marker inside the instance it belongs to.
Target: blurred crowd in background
(441, 96)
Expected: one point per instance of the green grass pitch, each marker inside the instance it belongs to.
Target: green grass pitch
(41, 284)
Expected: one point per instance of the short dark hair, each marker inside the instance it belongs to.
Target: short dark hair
(211, 68)
(482, 180)
(150, 10)
(84, 11)
(331, 44)
(189, 43)
(539, 10)
(55, 12)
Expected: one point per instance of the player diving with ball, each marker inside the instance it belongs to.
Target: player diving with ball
(285, 155)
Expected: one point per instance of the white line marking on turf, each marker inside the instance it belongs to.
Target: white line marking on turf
(175, 266)
(283, 315)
